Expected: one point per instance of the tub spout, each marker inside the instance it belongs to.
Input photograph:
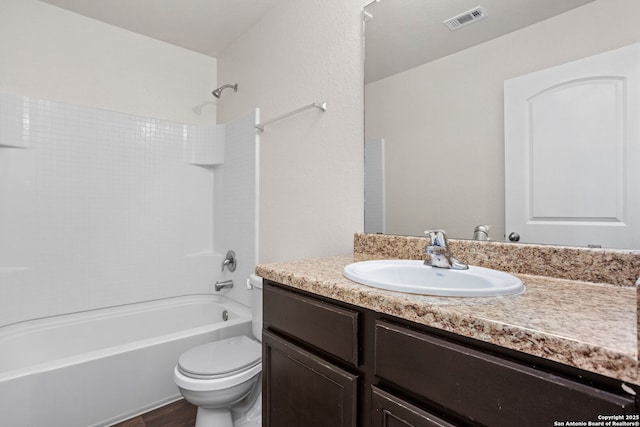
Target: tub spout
(221, 285)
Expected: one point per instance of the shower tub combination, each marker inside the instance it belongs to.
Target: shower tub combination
(100, 367)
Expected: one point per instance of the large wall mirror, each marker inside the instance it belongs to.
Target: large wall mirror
(434, 106)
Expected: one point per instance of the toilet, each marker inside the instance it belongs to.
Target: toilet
(222, 378)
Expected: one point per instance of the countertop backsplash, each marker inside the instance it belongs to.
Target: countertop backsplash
(613, 266)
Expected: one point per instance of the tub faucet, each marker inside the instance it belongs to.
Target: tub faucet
(439, 252)
(221, 285)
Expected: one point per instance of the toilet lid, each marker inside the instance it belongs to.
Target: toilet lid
(220, 358)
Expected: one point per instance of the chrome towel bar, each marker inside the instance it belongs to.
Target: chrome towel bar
(321, 106)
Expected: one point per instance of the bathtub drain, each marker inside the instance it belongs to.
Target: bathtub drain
(225, 315)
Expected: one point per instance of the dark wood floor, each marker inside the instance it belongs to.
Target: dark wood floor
(177, 414)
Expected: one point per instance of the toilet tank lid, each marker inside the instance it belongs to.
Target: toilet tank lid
(220, 357)
(255, 280)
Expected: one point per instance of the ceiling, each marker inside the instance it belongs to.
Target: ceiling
(404, 34)
(209, 26)
(205, 26)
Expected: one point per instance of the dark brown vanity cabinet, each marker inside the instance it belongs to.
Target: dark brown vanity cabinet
(331, 364)
(305, 390)
(310, 359)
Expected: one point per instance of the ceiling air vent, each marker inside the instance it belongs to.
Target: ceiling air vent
(470, 16)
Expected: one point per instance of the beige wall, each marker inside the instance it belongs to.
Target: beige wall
(311, 165)
(50, 53)
(443, 121)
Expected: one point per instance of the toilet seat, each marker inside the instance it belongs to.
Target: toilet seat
(221, 383)
(220, 359)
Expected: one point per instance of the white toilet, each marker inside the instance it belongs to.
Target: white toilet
(222, 378)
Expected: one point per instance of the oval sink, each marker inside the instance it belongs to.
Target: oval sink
(416, 278)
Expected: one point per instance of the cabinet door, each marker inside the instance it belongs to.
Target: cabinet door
(301, 389)
(391, 411)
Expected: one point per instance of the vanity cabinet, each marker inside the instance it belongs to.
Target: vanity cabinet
(310, 358)
(327, 363)
(303, 389)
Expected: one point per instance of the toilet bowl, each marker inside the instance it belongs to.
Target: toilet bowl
(222, 378)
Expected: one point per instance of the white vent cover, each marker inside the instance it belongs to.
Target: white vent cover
(466, 18)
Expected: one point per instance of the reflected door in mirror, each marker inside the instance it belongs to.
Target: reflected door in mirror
(572, 146)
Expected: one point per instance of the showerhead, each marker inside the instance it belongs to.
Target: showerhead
(218, 91)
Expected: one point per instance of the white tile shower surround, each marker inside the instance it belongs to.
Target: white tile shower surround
(101, 208)
(235, 189)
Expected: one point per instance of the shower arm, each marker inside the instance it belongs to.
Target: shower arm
(218, 91)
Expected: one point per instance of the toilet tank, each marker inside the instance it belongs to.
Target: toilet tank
(255, 283)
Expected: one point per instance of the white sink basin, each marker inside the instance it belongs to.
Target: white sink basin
(416, 278)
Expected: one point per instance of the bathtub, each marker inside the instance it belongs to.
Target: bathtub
(100, 367)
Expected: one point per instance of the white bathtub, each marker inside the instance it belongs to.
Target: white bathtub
(100, 367)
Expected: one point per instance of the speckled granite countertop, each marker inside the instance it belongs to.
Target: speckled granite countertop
(586, 325)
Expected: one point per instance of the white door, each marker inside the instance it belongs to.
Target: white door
(572, 152)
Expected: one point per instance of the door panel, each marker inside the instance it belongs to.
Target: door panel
(303, 390)
(571, 143)
(391, 411)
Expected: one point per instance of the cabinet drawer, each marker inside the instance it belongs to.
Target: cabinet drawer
(483, 387)
(391, 411)
(329, 328)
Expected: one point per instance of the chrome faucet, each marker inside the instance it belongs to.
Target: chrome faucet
(230, 261)
(481, 232)
(221, 285)
(439, 252)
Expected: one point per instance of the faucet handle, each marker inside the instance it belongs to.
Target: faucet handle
(438, 237)
(440, 253)
(437, 249)
(230, 261)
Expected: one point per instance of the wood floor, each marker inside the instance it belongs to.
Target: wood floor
(177, 414)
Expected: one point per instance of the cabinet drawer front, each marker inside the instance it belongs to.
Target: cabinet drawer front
(303, 390)
(485, 388)
(391, 411)
(329, 328)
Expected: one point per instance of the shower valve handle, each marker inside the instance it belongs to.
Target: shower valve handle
(230, 261)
